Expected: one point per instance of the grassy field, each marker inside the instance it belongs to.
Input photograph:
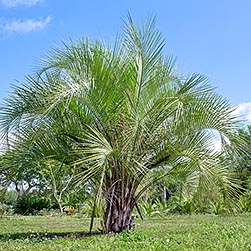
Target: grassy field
(196, 232)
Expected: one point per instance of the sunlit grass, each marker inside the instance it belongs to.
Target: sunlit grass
(196, 232)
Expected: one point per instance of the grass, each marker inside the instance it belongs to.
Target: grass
(180, 233)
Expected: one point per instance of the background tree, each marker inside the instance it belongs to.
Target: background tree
(19, 174)
(57, 177)
(47, 177)
(244, 170)
(120, 113)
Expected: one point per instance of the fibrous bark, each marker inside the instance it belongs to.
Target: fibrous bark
(118, 215)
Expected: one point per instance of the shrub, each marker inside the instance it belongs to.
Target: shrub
(31, 205)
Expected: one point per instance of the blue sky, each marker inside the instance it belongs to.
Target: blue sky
(212, 37)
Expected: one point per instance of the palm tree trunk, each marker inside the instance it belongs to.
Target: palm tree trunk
(118, 216)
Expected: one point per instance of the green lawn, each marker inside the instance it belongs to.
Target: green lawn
(196, 232)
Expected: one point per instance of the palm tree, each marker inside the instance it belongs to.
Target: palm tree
(120, 113)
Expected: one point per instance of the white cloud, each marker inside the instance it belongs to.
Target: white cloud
(14, 3)
(24, 26)
(216, 145)
(7, 144)
(243, 110)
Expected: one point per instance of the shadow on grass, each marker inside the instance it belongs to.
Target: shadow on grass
(45, 236)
